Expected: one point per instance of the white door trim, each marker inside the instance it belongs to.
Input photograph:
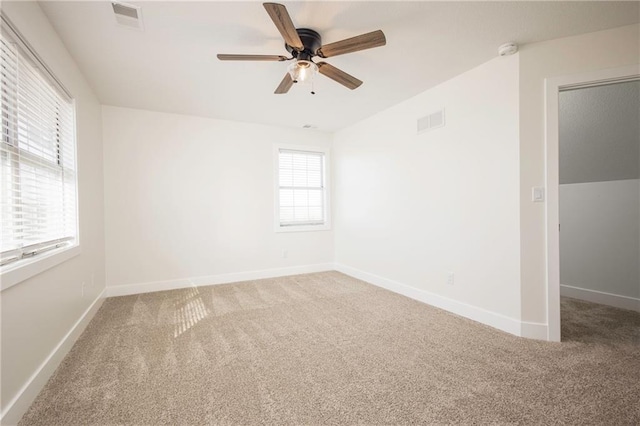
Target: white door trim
(553, 86)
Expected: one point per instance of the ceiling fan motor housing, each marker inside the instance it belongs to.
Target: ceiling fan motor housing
(311, 41)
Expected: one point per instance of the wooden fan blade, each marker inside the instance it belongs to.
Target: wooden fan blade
(338, 75)
(353, 44)
(281, 18)
(224, 57)
(284, 85)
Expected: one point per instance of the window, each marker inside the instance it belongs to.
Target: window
(37, 157)
(301, 195)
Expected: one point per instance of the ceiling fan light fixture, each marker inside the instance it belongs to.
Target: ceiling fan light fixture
(303, 44)
(302, 71)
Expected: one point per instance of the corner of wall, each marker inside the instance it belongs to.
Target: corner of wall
(19, 404)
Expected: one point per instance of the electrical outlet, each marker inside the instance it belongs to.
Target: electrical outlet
(450, 278)
(285, 254)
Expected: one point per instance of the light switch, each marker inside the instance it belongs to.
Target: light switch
(537, 194)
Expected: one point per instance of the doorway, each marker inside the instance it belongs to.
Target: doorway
(599, 210)
(554, 89)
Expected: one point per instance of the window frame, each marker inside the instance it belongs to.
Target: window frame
(326, 173)
(25, 268)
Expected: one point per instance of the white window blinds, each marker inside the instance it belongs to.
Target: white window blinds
(37, 158)
(301, 188)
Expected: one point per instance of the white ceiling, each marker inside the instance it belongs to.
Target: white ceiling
(171, 66)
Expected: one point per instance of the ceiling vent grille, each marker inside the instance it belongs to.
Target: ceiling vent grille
(431, 121)
(127, 15)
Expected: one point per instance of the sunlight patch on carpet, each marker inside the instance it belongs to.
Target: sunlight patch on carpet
(189, 311)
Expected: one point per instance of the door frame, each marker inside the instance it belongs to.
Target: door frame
(553, 87)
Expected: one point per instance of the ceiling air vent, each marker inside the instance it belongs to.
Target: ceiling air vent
(431, 121)
(127, 15)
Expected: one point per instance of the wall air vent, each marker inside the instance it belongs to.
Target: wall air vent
(431, 121)
(127, 15)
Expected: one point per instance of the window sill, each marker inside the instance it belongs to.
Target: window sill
(303, 228)
(25, 269)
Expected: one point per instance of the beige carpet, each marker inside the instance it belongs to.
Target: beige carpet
(329, 349)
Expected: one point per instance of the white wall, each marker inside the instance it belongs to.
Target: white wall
(39, 312)
(600, 50)
(599, 245)
(189, 197)
(412, 208)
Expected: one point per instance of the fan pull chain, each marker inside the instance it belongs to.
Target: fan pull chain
(313, 92)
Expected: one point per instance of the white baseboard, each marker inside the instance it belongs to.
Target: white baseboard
(20, 403)
(601, 297)
(499, 321)
(149, 287)
(534, 330)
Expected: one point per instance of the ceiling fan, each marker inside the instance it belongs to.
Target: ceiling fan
(304, 44)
